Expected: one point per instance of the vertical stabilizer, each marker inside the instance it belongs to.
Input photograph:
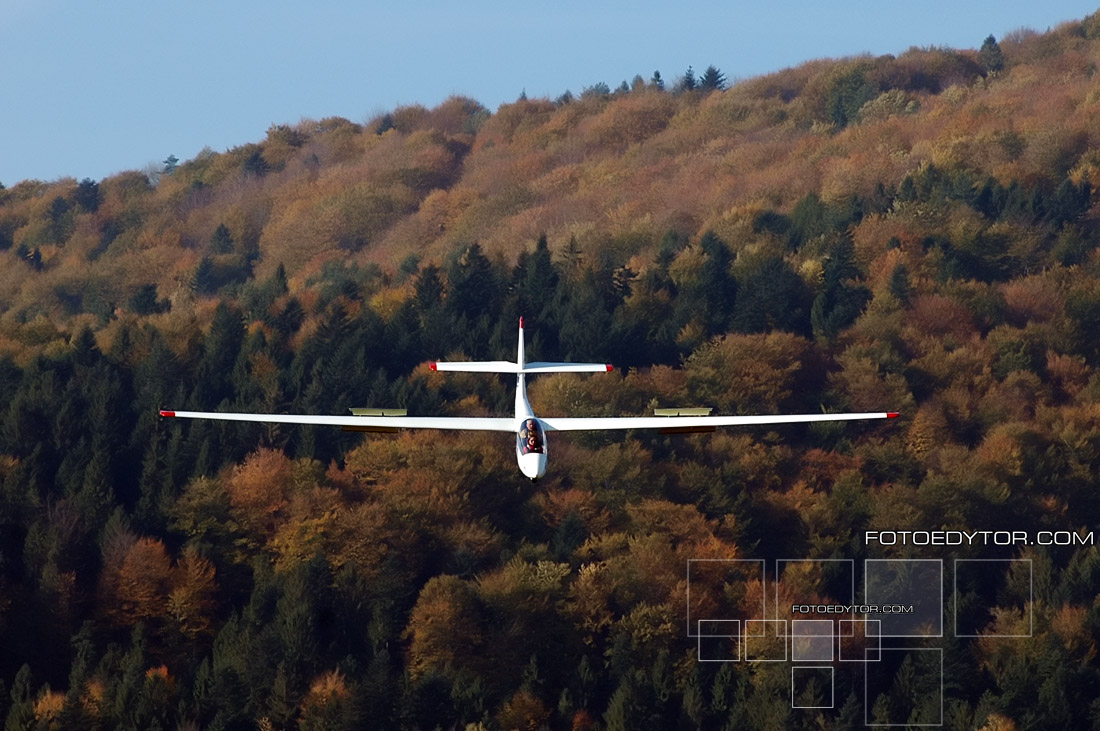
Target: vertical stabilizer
(520, 359)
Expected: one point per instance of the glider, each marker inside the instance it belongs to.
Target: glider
(530, 430)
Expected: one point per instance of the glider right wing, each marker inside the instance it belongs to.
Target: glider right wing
(473, 423)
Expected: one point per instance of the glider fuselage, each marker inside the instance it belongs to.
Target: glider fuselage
(530, 435)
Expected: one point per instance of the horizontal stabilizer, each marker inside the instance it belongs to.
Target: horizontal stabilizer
(539, 367)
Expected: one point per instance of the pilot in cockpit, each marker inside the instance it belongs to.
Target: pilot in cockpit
(529, 437)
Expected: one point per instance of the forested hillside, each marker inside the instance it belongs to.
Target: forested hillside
(915, 233)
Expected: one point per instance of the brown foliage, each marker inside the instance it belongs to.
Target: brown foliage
(48, 707)
(523, 712)
(1069, 374)
(631, 120)
(259, 490)
(928, 430)
(556, 505)
(191, 602)
(746, 374)
(143, 583)
(937, 316)
(445, 604)
(324, 690)
(1037, 299)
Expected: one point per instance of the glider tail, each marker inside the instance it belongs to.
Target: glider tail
(520, 366)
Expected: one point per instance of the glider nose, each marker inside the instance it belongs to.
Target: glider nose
(533, 466)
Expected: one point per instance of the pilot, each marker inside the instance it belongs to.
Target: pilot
(530, 436)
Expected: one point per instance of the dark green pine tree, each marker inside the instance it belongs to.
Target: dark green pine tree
(586, 321)
(846, 96)
(623, 711)
(992, 58)
(144, 300)
(87, 195)
(205, 279)
(541, 277)
(570, 535)
(899, 284)
(381, 689)
(74, 714)
(258, 299)
(717, 294)
(427, 703)
(255, 164)
(153, 488)
(222, 240)
(60, 221)
(221, 348)
(841, 300)
(712, 79)
(429, 290)
(290, 318)
(809, 220)
(305, 598)
(537, 298)
(1069, 202)
(687, 81)
(282, 704)
(474, 289)
(771, 296)
(96, 497)
(21, 715)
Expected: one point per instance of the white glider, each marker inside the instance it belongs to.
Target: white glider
(530, 430)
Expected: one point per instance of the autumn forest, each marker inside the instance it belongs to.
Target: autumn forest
(916, 233)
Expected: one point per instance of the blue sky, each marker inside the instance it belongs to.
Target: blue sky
(90, 89)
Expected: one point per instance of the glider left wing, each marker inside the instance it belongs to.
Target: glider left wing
(554, 423)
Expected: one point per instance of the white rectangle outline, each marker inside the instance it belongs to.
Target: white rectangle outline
(832, 685)
(763, 584)
(832, 638)
(884, 560)
(699, 640)
(866, 667)
(816, 560)
(1030, 600)
(840, 636)
(776, 622)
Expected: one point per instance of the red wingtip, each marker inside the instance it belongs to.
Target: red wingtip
(432, 365)
(521, 322)
(891, 414)
(610, 367)
(167, 413)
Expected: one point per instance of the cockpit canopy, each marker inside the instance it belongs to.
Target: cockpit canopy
(531, 438)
